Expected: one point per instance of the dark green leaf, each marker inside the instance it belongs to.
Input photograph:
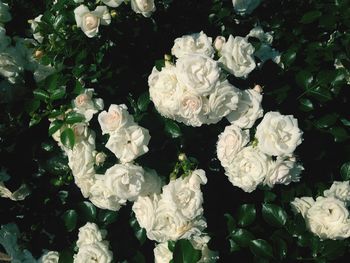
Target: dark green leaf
(345, 171)
(172, 128)
(171, 245)
(310, 17)
(66, 256)
(58, 93)
(306, 105)
(140, 233)
(304, 79)
(160, 64)
(327, 120)
(74, 117)
(143, 101)
(70, 219)
(185, 253)
(340, 134)
(334, 249)
(261, 248)
(274, 215)
(230, 221)
(41, 94)
(269, 197)
(67, 138)
(107, 217)
(234, 246)
(246, 214)
(87, 211)
(55, 126)
(242, 237)
(289, 57)
(280, 247)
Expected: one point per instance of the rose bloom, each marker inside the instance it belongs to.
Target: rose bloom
(237, 57)
(89, 21)
(198, 43)
(96, 252)
(116, 118)
(278, 134)
(49, 257)
(328, 218)
(89, 234)
(339, 190)
(144, 7)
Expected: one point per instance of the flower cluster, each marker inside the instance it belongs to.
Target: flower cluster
(92, 246)
(194, 90)
(328, 215)
(121, 182)
(89, 21)
(177, 212)
(268, 159)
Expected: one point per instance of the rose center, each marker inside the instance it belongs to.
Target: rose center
(81, 100)
(91, 21)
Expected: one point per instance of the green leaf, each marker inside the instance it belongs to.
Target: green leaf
(340, 134)
(185, 253)
(70, 219)
(242, 237)
(304, 79)
(322, 94)
(230, 221)
(269, 197)
(160, 64)
(143, 101)
(55, 126)
(234, 246)
(87, 211)
(140, 233)
(280, 247)
(246, 214)
(58, 93)
(261, 248)
(67, 138)
(306, 105)
(41, 94)
(172, 128)
(345, 171)
(32, 105)
(333, 249)
(310, 17)
(327, 120)
(66, 256)
(107, 217)
(274, 215)
(289, 57)
(171, 245)
(74, 117)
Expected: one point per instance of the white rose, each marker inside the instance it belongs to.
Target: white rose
(96, 252)
(125, 181)
(102, 197)
(198, 73)
(169, 224)
(116, 118)
(230, 142)
(328, 218)
(237, 56)
(201, 243)
(339, 190)
(248, 169)
(219, 42)
(162, 254)
(11, 65)
(49, 257)
(34, 25)
(129, 143)
(245, 7)
(89, 234)
(259, 33)
(185, 194)
(192, 109)
(144, 7)
(81, 159)
(100, 158)
(152, 184)
(5, 15)
(283, 171)
(89, 21)
(278, 134)
(223, 100)
(249, 109)
(163, 89)
(302, 205)
(198, 43)
(85, 105)
(113, 3)
(145, 208)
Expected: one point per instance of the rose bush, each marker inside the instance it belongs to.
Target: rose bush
(120, 120)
